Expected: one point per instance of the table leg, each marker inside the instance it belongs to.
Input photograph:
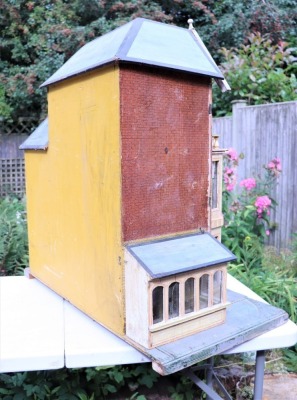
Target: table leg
(209, 375)
(259, 375)
(207, 386)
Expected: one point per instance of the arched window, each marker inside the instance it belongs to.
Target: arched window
(217, 287)
(157, 304)
(203, 291)
(189, 295)
(173, 300)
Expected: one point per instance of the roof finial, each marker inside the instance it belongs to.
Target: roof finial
(190, 22)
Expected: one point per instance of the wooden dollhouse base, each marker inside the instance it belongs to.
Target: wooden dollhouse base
(205, 319)
(246, 319)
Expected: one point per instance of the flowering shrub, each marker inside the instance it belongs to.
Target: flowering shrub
(230, 170)
(248, 184)
(262, 205)
(229, 179)
(274, 167)
(232, 155)
(247, 208)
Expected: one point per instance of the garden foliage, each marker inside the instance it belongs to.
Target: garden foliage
(130, 382)
(38, 36)
(247, 209)
(247, 205)
(77, 384)
(13, 237)
(258, 72)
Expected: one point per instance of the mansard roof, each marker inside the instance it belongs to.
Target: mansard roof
(142, 41)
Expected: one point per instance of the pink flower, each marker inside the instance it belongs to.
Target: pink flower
(267, 232)
(248, 184)
(262, 204)
(232, 154)
(229, 178)
(274, 167)
(230, 187)
(229, 171)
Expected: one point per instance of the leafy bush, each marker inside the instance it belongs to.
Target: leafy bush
(39, 36)
(258, 72)
(5, 109)
(77, 384)
(13, 237)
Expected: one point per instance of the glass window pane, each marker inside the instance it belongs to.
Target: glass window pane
(214, 194)
(157, 304)
(217, 287)
(189, 295)
(203, 291)
(173, 300)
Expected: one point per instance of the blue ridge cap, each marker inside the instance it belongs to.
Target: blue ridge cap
(38, 140)
(142, 41)
(170, 256)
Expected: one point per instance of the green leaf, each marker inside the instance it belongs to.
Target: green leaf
(118, 376)
(110, 388)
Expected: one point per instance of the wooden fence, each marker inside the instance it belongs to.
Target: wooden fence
(262, 133)
(12, 166)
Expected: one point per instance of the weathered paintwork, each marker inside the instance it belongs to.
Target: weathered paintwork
(74, 227)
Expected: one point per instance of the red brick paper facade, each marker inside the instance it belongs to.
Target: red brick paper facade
(165, 137)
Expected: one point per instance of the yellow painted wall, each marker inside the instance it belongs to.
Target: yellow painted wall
(74, 201)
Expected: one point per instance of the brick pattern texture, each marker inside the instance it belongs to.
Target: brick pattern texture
(165, 151)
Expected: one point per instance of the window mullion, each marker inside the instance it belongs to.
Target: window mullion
(182, 297)
(165, 302)
(210, 290)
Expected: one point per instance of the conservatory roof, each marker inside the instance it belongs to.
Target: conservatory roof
(170, 256)
(38, 140)
(142, 41)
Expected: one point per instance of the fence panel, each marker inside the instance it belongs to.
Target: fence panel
(12, 176)
(9, 145)
(12, 166)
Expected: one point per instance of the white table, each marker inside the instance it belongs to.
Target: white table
(39, 330)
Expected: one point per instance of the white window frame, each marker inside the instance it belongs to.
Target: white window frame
(181, 279)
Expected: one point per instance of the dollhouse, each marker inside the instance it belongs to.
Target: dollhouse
(119, 185)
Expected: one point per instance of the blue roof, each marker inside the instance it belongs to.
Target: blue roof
(180, 254)
(38, 140)
(142, 41)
